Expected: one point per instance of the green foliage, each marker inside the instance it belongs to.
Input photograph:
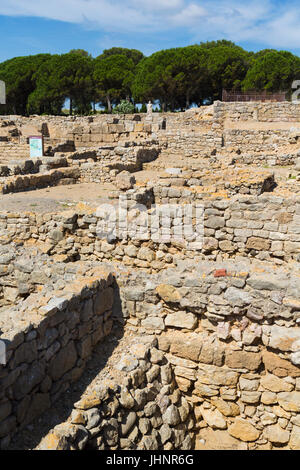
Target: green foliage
(133, 54)
(19, 76)
(218, 43)
(119, 78)
(113, 77)
(227, 68)
(178, 77)
(125, 107)
(81, 52)
(61, 77)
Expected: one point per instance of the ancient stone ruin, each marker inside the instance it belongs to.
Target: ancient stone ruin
(158, 307)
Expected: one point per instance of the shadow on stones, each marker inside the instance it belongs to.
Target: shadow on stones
(30, 436)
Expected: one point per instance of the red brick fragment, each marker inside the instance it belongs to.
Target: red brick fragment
(220, 273)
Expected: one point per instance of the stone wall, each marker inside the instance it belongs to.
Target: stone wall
(232, 337)
(84, 165)
(30, 182)
(199, 131)
(49, 339)
(266, 159)
(82, 131)
(257, 111)
(141, 410)
(220, 354)
(265, 227)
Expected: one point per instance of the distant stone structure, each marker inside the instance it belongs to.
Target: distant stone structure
(253, 95)
(149, 108)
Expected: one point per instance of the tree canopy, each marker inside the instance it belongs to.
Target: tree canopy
(133, 54)
(113, 75)
(272, 71)
(174, 78)
(19, 77)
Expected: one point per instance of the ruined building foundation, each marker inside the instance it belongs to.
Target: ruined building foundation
(136, 339)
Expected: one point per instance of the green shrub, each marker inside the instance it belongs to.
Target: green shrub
(125, 107)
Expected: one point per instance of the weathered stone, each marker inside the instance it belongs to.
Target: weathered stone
(127, 363)
(237, 297)
(227, 409)
(153, 323)
(150, 409)
(283, 338)
(278, 366)
(168, 293)
(58, 439)
(128, 423)
(211, 375)
(275, 384)
(183, 384)
(214, 419)
(7, 426)
(77, 417)
(186, 345)
(29, 379)
(210, 439)
(294, 443)
(269, 398)
(202, 390)
(5, 409)
(144, 425)
(256, 243)
(243, 430)
(103, 301)
(171, 416)
(165, 433)
(181, 320)
(248, 385)
(250, 397)
(63, 361)
(242, 360)
(276, 434)
(93, 417)
(153, 373)
(40, 402)
(88, 402)
(270, 282)
(126, 399)
(289, 401)
(125, 181)
(148, 443)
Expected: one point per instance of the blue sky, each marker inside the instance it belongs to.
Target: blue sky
(56, 26)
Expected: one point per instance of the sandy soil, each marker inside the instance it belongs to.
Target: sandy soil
(58, 198)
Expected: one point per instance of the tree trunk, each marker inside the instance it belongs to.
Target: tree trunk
(109, 104)
(187, 102)
(71, 106)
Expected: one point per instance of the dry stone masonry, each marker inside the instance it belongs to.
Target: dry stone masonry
(205, 328)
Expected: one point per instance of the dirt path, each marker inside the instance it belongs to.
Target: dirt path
(58, 198)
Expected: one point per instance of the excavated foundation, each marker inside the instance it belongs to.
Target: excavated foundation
(138, 338)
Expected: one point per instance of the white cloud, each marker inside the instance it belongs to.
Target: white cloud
(157, 5)
(271, 22)
(189, 15)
